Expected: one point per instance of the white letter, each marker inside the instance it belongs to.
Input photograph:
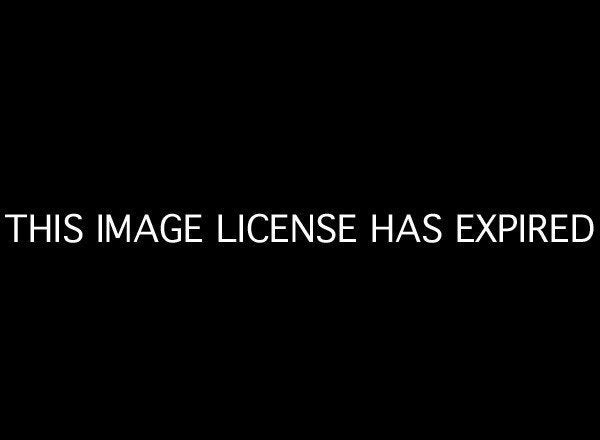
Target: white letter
(150, 231)
(408, 220)
(73, 228)
(343, 228)
(327, 228)
(296, 222)
(221, 239)
(537, 229)
(486, 228)
(433, 228)
(163, 229)
(275, 228)
(250, 233)
(189, 227)
(461, 228)
(590, 221)
(382, 228)
(15, 218)
(555, 227)
(503, 229)
(125, 227)
(34, 228)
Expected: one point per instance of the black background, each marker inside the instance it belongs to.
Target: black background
(386, 112)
